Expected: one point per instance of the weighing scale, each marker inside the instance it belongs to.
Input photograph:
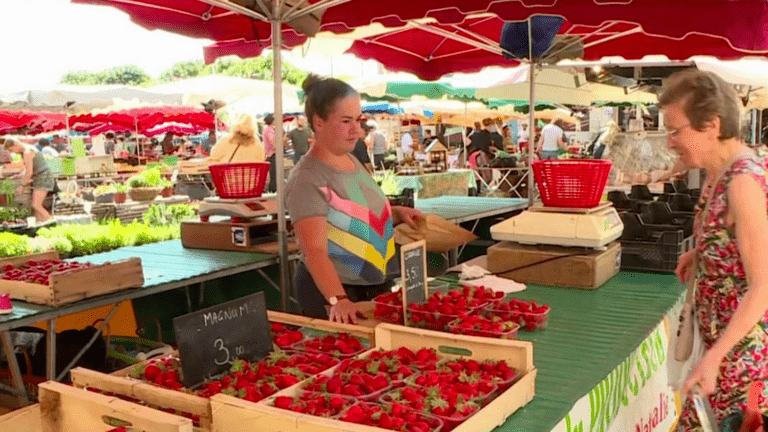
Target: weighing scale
(233, 224)
(592, 228)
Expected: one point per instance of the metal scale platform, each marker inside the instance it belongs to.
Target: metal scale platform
(570, 227)
(233, 224)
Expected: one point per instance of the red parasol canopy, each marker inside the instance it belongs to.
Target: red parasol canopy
(175, 129)
(474, 44)
(238, 33)
(147, 117)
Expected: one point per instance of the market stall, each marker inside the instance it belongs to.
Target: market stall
(456, 182)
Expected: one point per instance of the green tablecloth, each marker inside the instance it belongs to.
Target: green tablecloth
(453, 182)
(590, 333)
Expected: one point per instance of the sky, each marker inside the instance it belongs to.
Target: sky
(45, 39)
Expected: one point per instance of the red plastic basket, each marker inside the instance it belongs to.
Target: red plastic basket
(571, 183)
(240, 180)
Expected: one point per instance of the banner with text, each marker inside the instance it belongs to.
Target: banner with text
(635, 397)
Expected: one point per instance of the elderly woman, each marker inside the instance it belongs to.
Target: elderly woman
(37, 174)
(729, 263)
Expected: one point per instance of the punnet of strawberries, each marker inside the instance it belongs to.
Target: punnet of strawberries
(530, 315)
(392, 417)
(316, 404)
(443, 307)
(389, 307)
(443, 402)
(284, 336)
(361, 385)
(341, 345)
(477, 325)
(490, 370)
(470, 384)
(38, 272)
(164, 371)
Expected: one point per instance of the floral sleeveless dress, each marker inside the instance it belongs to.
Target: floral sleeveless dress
(721, 286)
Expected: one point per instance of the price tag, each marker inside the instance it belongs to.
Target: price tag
(211, 339)
(413, 266)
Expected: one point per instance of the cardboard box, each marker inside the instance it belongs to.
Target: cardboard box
(253, 236)
(559, 266)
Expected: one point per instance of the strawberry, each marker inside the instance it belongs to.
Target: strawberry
(283, 402)
(341, 345)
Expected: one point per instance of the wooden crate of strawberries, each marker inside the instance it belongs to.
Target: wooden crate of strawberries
(454, 383)
(45, 279)
(64, 408)
(157, 382)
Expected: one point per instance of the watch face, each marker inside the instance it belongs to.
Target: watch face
(333, 300)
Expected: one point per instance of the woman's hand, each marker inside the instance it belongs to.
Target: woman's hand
(704, 374)
(685, 270)
(407, 215)
(346, 312)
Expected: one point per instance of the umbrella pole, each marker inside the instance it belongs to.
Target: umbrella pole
(464, 136)
(279, 170)
(531, 114)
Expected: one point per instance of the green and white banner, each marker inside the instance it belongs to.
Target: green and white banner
(635, 397)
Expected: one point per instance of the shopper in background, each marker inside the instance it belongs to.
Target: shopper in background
(343, 221)
(301, 138)
(269, 149)
(379, 144)
(729, 262)
(46, 148)
(550, 141)
(497, 141)
(240, 145)
(360, 152)
(407, 142)
(36, 174)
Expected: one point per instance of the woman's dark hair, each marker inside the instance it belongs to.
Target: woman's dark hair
(44, 142)
(269, 119)
(321, 95)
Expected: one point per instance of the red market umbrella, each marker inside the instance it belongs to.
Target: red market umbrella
(175, 129)
(147, 117)
(474, 44)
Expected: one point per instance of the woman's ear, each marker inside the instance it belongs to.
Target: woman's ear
(714, 125)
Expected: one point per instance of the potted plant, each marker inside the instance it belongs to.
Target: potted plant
(146, 185)
(7, 191)
(120, 193)
(167, 188)
(104, 194)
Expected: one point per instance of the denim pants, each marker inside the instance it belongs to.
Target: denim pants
(312, 302)
(548, 154)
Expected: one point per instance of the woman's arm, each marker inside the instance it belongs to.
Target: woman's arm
(312, 236)
(28, 158)
(748, 207)
(747, 204)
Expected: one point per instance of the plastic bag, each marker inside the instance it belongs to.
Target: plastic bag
(677, 372)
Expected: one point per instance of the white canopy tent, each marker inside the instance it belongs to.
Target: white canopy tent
(83, 98)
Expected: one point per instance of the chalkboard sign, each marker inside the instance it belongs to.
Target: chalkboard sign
(413, 265)
(211, 339)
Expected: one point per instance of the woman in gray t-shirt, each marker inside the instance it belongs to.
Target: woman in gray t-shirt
(343, 222)
(36, 174)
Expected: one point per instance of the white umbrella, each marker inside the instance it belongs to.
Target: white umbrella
(229, 90)
(85, 98)
(552, 85)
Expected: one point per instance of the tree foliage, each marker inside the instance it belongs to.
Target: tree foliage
(255, 68)
(126, 75)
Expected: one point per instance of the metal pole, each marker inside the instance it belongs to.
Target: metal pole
(282, 240)
(50, 350)
(531, 115)
(464, 136)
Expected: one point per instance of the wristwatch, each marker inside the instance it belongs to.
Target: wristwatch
(335, 299)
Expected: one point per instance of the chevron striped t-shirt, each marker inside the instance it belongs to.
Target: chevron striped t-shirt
(358, 218)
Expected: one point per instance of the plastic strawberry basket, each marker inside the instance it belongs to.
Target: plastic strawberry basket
(571, 183)
(303, 394)
(481, 399)
(502, 384)
(449, 423)
(436, 320)
(345, 377)
(302, 346)
(528, 320)
(239, 180)
(455, 328)
(435, 424)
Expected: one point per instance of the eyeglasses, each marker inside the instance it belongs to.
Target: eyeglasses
(674, 132)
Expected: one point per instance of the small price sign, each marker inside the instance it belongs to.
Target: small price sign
(413, 267)
(211, 339)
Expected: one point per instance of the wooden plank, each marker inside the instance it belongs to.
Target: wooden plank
(26, 419)
(64, 408)
(98, 280)
(321, 324)
(151, 394)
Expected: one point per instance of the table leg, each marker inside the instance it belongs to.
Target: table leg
(453, 257)
(13, 365)
(50, 350)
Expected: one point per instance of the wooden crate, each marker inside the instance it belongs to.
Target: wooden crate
(234, 415)
(120, 383)
(26, 419)
(64, 409)
(193, 167)
(76, 285)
